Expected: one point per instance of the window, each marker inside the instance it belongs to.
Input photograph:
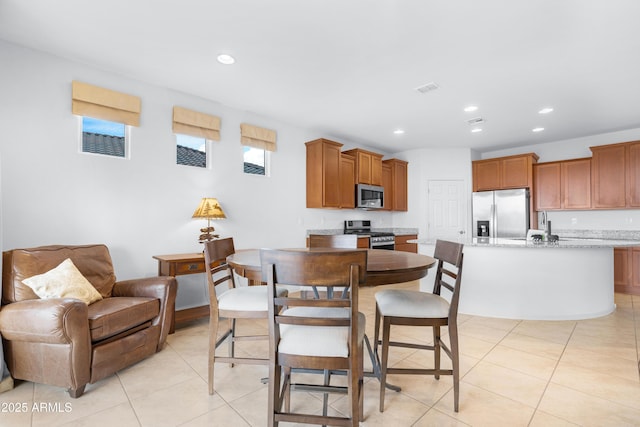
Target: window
(191, 151)
(257, 144)
(104, 137)
(255, 161)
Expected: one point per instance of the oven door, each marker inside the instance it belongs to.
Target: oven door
(382, 245)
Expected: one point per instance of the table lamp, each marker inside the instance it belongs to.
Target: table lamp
(209, 208)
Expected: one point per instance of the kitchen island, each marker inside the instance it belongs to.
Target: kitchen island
(519, 279)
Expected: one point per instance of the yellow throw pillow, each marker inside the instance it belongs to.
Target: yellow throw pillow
(64, 281)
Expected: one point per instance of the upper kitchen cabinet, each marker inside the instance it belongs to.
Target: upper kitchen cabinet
(633, 174)
(347, 181)
(323, 174)
(368, 166)
(615, 176)
(504, 172)
(395, 186)
(562, 185)
(387, 183)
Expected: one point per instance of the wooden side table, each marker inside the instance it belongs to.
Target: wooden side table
(179, 265)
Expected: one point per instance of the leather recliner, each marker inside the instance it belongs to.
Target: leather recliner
(62, 341)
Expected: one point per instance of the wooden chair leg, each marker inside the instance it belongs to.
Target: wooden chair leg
(232, 340)
(353, 392)
(286, 383)
(384, 359)
(455, 362)
(213, 337)
(274, 393)
(360, 388)
(436, 351)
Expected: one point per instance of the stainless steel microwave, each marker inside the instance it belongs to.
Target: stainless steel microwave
(369, 196)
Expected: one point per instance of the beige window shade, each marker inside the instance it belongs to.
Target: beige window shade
(93, 101)
(256, 137)
(193, 123)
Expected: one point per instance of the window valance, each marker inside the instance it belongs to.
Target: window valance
(194, 123)
(257, 137)
(93, 101)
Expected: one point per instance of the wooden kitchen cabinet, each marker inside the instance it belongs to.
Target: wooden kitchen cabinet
(396, 191)
(323, 174)
(547, 186)
(621, 268)
(368, 166)
(576, 184)
(562, 185)
(633, 174)
(615, 176)
(347, 181)
(626, 267)
(486, 175)
(504, 172)
(608, 176)
(388, 186)
(402, 245)
(635, 271)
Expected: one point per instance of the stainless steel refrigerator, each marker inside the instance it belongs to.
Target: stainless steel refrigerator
(501, 213)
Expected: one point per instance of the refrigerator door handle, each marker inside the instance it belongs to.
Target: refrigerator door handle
(494, 215)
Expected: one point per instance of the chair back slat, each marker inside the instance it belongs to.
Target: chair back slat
(218, 271)
(449, 272)
(312, 321)
(312, 302)
(315, 267)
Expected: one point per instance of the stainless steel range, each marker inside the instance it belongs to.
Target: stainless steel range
(377, 239)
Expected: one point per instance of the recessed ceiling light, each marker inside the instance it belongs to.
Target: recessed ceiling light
(545, 110)
(226, 59)
(475, 130)
(470, 108)
(398, 131)
(539, 129)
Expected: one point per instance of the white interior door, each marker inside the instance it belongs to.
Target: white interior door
(447, 211)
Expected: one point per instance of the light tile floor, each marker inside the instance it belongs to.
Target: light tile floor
(514, 373)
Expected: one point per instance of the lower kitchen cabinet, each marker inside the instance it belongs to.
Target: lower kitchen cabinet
(402, 245)
(626, 267)
(363, 242)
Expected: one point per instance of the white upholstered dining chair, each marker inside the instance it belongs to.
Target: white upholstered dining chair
(416, 308)
(228, 302)
(314, 333)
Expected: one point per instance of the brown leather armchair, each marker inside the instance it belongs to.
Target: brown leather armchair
(62, 341)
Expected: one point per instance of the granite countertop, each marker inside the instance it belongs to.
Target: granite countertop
(567, 242)
(398, 231)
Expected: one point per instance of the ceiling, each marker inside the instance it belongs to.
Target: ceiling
(348, 70)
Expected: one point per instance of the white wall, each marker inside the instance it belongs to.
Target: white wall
(623, 219)
(140, 207)
(432, 164)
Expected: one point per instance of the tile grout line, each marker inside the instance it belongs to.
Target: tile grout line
(537, 408)
(124, 389)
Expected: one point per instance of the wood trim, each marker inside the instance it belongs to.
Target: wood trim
(191, 314)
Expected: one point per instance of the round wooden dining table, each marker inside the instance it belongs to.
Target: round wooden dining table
(384, 267)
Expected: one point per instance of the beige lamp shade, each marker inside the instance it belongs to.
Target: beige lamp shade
(209, 208)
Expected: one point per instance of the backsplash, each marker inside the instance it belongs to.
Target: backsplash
(598, 234)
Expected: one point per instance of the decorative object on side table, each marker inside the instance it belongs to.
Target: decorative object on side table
(209, 208)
